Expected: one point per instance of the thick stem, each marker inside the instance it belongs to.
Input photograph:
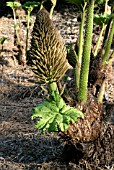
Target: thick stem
(82, 95)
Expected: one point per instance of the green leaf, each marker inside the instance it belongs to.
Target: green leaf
(101, 19)
(13, 4)
(30, 5)
(54, 126)
(54, 115)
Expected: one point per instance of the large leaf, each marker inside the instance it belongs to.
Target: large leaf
(54, 115)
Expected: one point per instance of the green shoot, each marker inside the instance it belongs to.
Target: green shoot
(13, 6)
(29, 6)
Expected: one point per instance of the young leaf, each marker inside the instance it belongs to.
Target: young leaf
(55, 116)
(13, 4)
(101, 19)
(57, 99)
(30, 5)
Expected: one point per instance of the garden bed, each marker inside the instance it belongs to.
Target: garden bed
(21, 146)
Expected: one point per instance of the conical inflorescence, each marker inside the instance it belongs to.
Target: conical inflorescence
(47, 54)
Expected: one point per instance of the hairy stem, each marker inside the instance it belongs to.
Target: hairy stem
(82, 95)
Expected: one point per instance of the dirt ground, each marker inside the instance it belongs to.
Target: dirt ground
(21, 146)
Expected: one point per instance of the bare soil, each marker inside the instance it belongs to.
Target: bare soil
(21, 146)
